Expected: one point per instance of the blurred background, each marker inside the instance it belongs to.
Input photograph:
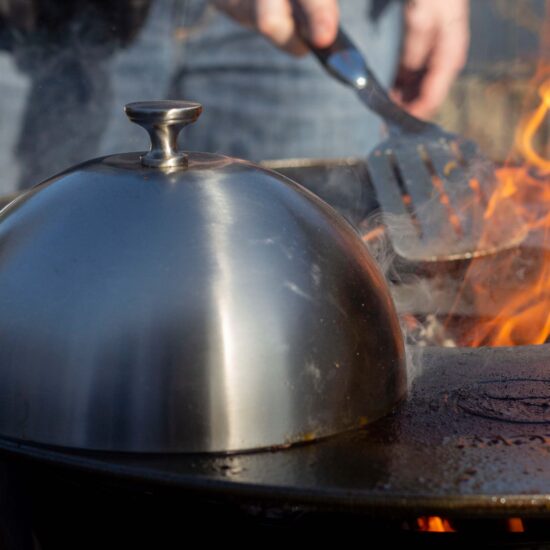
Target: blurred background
(66, 70)
(509, 53)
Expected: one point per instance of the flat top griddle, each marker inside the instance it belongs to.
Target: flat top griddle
(472, 438)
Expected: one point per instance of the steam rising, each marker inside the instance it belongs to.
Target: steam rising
(408, 289)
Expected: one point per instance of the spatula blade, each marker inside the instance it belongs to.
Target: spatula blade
(431, 183)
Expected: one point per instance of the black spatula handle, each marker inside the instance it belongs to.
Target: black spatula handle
(343, 60)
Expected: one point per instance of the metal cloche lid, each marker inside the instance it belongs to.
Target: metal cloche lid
(187, 302)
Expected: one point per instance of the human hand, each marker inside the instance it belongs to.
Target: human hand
(435, 49)
(274, 19)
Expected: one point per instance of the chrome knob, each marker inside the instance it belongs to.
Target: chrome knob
(163, 120)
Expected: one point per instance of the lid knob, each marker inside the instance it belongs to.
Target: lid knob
(163, 120)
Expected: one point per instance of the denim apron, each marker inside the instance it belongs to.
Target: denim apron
(261, 103)
(61, 106)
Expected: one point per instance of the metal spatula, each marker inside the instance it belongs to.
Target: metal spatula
(433, 186)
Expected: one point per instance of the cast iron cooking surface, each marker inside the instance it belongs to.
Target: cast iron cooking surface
(472, 438)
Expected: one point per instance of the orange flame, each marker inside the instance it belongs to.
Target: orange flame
(510, 292)
(530, 129)
(515, 525)
(434, 524)
(503, 299)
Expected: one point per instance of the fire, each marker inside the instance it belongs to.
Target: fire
(510, 291)
(515, 525)
(533, 124)
(434, 524)
(503, 297)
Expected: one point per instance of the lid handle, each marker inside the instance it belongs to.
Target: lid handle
(163, 120)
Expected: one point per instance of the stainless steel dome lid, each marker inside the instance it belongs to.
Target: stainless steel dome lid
(187, 302)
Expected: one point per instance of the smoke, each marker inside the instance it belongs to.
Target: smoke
(416, 292)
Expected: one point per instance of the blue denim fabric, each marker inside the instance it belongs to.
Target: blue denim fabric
(64, 107)
(260, 103)
(13, 91)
